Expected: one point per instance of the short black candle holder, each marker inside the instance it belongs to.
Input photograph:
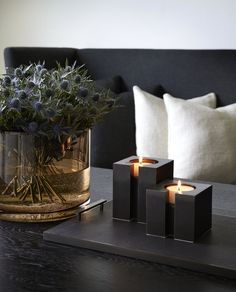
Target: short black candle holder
(129, 189)
(188, 219)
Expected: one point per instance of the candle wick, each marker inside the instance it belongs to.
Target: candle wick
(179, 187)
(179, 190)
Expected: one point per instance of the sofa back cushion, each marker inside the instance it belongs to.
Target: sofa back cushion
(114, 137)
(185, 73)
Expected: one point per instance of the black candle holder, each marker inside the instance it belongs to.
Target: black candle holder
(188, 219)
(129, 192)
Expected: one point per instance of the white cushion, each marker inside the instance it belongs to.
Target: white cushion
(202, 140)
(151, 122)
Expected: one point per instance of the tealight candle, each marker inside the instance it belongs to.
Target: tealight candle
(140, 163)
(179, 189)
(131, 177)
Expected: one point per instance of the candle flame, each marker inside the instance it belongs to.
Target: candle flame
(140, 160)
(179, 186)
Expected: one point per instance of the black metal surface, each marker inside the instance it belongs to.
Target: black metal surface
(170, 222)
(129, 193)
(160, 214)
(156, 213)
(89, 207)
(188, 219)
(193, 213)
(123, 193)
(148, 176)
(29, 264)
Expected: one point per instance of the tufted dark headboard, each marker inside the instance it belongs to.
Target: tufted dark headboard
(183, 73)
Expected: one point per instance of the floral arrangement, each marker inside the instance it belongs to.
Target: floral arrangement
(49, 111)
(54, 104)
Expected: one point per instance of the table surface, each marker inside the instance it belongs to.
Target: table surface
(30, 264)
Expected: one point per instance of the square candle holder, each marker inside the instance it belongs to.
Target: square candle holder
(130, 181)
(183, 215)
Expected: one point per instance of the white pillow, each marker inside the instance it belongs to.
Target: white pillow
(151, 122)
(202, 140)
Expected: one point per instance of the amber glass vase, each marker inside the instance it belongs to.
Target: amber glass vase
(41, 180)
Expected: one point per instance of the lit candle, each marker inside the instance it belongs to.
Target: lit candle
(137, 165)
(177, 188)
(140, 162)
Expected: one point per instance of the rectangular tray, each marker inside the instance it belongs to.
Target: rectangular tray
(215, 253)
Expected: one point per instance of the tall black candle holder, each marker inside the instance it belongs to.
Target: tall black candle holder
(187, 219)
(129, 191)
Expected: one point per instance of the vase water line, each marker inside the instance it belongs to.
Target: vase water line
(34, 186)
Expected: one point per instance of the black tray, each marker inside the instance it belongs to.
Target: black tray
(215, 253)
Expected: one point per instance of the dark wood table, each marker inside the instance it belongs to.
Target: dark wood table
(30, 264)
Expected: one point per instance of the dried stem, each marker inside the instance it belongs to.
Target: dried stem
(34, 187)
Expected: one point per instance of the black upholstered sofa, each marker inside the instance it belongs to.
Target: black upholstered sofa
(183, 73)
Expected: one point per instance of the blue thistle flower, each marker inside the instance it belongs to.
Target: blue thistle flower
(38, 68)
(7, 80)
(15, 103)
(33, 127)
(18, 72)
(64, 84)
(22, 94)
(83, 92)
(77, 79)
(15, 82)
(38, 106)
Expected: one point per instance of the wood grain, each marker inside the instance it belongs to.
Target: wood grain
(27, 263)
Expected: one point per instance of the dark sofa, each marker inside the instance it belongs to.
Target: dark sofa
(183, 73)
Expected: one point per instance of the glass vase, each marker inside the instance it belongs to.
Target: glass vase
(43, 179)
